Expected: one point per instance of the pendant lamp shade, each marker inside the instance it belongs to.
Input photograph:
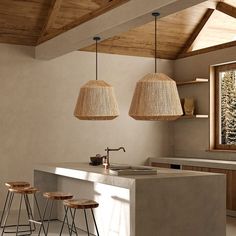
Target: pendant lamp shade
(156, 98)
(96, 101)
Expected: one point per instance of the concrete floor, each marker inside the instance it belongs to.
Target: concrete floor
(55, 228)
(231, 226)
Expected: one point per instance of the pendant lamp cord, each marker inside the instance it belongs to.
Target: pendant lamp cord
(155, 44)
(156, 14)
(96, 59)
(96, 39)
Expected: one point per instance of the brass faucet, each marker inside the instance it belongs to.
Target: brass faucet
(106, 161)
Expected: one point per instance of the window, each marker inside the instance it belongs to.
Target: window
(225, 107)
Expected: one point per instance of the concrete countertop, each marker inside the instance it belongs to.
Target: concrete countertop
(98, 174)
(221, 164)
(144, 204)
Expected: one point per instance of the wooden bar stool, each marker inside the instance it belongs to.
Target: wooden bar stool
(24, 192)
(82, 204)
(52, 197)
(15, 184)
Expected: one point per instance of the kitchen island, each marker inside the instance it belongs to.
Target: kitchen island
(171, 202)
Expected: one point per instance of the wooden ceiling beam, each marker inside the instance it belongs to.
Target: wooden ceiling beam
(132, 14)
(101, 2)
(209, 49)
(52, 14)
(196, 32)
(106, 7)
(227, 9)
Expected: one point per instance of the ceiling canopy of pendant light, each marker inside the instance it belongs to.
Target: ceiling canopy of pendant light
(156, 96)
(96, 99)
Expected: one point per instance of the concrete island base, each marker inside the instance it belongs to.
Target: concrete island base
(170, 203)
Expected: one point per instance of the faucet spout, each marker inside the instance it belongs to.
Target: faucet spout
(107, 159)
(122, 148)
(115, 149)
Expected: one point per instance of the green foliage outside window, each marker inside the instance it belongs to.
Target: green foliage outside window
(228, 107)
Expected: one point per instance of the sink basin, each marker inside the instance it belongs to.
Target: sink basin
(132, 170)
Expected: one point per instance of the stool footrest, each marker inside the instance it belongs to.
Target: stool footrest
(35, 221)
(11, 226)
(20, 231)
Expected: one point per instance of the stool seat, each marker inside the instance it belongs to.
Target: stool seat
(19, 228)
(17, 184)
(57, 195)
(27, 190)
(81, 203)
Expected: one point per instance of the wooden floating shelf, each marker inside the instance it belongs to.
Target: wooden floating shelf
(197, 116)
(196, 81)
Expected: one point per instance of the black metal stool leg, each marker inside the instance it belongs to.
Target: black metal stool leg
(86, 221)
(4, 208)
(32, 219)
(67, 220)
(7, 213)
(31, 213)
(50, 214)
(27, 205)
(95, 222)
(31, 222)
(73, 221)
(39, 213)
(64, 220)
(44, 214)
(18, 218)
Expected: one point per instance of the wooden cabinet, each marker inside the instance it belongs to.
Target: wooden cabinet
(230, 183)
(162, 165)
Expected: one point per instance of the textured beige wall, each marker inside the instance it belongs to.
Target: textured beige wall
(191, 137)
(37, 100)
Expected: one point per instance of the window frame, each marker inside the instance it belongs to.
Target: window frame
(217, 145)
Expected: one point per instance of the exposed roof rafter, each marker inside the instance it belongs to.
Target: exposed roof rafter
(52, 14)
(209, 49)
(131, 14)
(101, 2)
(189, 43)
(227, 9)
(104, 8)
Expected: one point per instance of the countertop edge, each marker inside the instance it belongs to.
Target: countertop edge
(86, 175)
(82, 171)
(222, 164)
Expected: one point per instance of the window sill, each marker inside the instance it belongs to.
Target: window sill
(221, 150)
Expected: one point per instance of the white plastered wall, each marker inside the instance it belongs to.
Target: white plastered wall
(37, 100)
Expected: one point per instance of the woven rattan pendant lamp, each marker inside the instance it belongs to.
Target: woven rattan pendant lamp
(96, 99)
(156, 96)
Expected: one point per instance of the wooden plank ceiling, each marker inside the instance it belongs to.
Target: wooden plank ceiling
(34, 21)
(182, 34)
(177, 35)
